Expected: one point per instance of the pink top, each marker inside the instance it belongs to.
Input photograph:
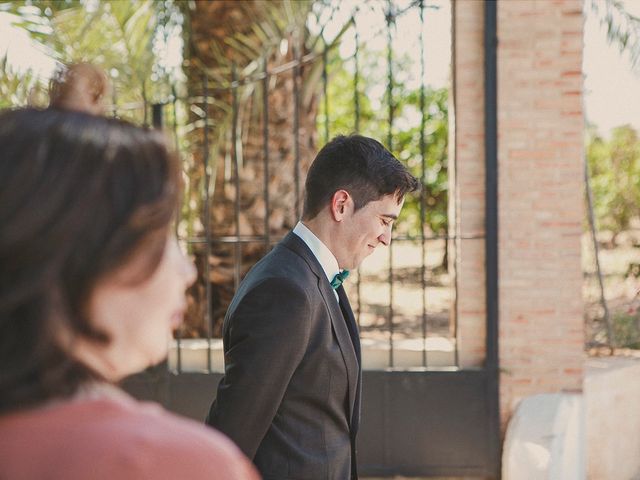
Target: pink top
(114, 437)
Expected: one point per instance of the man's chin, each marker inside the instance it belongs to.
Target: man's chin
(356, 265)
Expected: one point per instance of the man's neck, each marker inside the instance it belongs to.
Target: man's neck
(323, 231)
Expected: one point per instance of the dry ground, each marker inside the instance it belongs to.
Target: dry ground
(406, 295)
(619, 261)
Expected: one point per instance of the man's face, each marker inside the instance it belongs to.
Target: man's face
(366, 228)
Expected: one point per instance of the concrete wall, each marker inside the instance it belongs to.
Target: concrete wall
(612, 398)
(545, 439)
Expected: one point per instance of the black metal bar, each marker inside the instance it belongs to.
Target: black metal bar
(491, 218)
(356, 79)
(157, 120)
(265, 142)
(356, 114)
(174, 125)
(176, 146)
(296, 124)
(259, 238)
(454, 221)
(423, 191)
(207, 219)
(236, 178)
(174, 103)
(179, 350)
(156, 115)
(491, 180)
(596, 252)
(390, 147)
(114, 101)
(145, 104)
(391, 109)
(326, 93)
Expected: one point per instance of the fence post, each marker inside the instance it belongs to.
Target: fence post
(390, 21)
(157, 115)
(207, 216)
(265, 142)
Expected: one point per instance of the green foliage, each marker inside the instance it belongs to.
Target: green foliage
(129, 40)
(19, 88)
(626, 330)
(614, 167)
(435, 177)
(373, 110)
(125, 38)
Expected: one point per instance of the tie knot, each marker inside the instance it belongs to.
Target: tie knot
(339, 278)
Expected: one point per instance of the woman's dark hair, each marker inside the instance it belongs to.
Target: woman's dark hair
(80, 195)
(359, 165)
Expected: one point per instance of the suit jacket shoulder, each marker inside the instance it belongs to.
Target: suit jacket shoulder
(291, 373)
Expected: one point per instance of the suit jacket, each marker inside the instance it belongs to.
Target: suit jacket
(290, 396)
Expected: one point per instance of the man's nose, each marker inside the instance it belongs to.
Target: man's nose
(385, 237)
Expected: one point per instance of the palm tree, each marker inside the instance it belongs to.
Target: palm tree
(230, 40)
(221, 37)
(19, 88)
(623, 28)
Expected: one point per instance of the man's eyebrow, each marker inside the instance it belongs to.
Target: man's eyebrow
(392, 216)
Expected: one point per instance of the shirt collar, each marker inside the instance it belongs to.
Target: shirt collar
(322, 253)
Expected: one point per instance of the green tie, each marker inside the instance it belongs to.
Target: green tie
(339, 278)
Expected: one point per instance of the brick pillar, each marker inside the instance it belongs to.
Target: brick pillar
(467, 180)
(540, 162)
(540, 158)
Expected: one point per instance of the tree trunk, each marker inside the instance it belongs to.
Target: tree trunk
(213, 27)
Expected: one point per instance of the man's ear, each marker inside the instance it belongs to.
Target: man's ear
(340, 203)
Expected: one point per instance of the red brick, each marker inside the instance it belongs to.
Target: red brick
(540, 121)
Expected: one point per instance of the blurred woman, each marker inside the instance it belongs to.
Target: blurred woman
(92, 282)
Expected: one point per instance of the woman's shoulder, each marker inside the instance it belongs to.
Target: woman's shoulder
(151, 421)
(183, 447)
(119, 437)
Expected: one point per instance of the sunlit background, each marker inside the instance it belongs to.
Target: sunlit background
(28, 59)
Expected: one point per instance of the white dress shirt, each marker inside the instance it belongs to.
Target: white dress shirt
(322, 253)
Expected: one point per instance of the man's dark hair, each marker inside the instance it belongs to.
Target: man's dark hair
(80, 196)
(360, 165)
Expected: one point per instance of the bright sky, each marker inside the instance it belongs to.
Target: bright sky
(612, 90)
(22, 52)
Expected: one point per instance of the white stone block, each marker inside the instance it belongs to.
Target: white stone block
(545, 439)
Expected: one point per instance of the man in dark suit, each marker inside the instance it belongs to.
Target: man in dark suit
(290, 397)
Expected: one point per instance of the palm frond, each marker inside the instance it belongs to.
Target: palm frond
(623, 28)
(17, 88)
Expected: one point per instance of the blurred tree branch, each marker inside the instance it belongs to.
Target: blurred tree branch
(623, 28)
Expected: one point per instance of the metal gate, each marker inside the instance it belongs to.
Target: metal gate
(422, 415)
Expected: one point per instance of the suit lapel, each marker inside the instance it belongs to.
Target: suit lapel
(339, 324)
(355, 338)
(345, 306)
